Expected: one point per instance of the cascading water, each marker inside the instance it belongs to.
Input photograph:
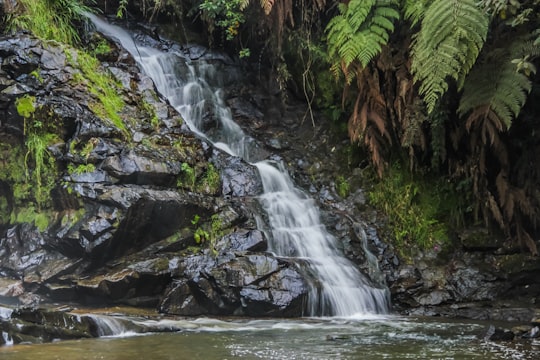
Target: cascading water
(294, 220)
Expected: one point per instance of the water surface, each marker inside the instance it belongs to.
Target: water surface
(376, 337)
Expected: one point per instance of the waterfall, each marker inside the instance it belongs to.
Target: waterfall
(295, 229)
(111, 326)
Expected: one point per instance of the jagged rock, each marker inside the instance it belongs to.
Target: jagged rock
(242, 240)
(498, 334)
(251, 284)
(38, 325)
(239, 179)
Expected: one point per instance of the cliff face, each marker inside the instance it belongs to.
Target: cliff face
(107, 197)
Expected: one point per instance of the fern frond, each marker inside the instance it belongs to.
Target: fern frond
(414, 10)
(358, 33)
(267, 6)
(452, 34)
(495, 86)
(243, 4)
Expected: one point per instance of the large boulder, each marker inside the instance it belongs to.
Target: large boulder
(240, 284)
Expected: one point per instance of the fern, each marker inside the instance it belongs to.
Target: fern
(358, 33)
(495, 91)
(267, 6)
(450, 39)
(414, 10)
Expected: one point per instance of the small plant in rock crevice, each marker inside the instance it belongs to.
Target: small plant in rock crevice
(208, 233)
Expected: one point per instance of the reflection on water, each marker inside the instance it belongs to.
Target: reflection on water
(369, 338)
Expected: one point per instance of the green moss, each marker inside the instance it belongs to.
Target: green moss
(30, 215)
(26, 105)
(101, 84)
(150, 112)
(100, 48)
(72, 217)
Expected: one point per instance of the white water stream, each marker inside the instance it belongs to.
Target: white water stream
(294, 219)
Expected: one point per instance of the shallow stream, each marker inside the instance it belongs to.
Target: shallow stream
(372, 337)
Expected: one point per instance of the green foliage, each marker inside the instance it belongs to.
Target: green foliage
(36, 145)
(358, 33)
(151, 113)
(450, 39)
(342, 186)
(122, 5)
(36, 74)
(208, 233)
(189, 176)
(228, 15)
(81, 169)
(38, 163)
(102, 85)
(26, 105)
(413, 209)
(414, 10)
(211, 179)
(102, 47)
(30, 215)
(50, 19)
(495, 90)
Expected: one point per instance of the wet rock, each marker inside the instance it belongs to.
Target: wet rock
(239, 179)
(498, 334)
(179, 299)
(134, 284)
(242, 240)
(144, 168)
(436, 297)
(11, 287)
(251, 284)
(38, 325)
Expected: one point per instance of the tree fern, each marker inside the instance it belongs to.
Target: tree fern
(358, 33)
(414, 10)
(447, 46)
(494, 90)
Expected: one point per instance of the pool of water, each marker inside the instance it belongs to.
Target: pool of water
(387, 337)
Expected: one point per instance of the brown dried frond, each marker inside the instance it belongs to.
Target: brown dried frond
(358, 121)
(319, 4)
(526, 240)
(373, 142)
(487, 122)
(501, 182)
(495, 210)
(525, 205)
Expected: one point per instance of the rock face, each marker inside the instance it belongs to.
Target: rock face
(120, 207)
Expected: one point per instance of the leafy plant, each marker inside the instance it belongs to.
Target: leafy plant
(342, 186)
(81, 169)
(50, 19)
(189, 176)
(211, 179)
(38, 163)
(449, 41)
(412, 210)
(359, 31)
(207, 233)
